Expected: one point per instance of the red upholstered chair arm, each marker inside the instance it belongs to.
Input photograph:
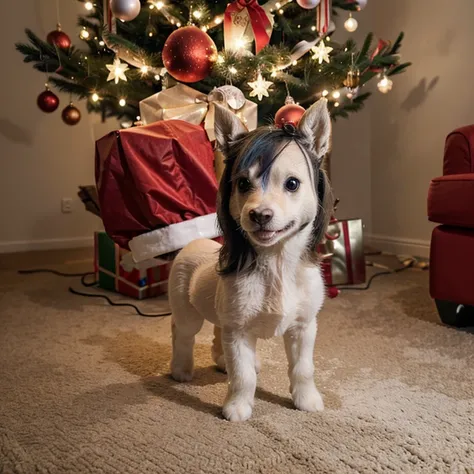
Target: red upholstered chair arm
(459, 151)
(451, 200)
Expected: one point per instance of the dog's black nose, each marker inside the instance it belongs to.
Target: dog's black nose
(261, 217)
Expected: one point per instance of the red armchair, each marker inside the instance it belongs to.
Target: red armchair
(451, 204)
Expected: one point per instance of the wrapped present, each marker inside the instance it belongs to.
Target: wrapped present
(182, 102)
(157, 187)
(344, 263)
(135, 282)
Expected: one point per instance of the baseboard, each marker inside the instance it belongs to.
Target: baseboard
(399, 245)
(47, 244)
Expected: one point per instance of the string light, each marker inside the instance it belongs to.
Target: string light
(313, 28)
(204, 28)
(336, 104)
(232, 70)
(336, 94)
(101, 43)
(220, 59)
(278, 4)
(95, 97)
(324, 93)
(89, 6)
(294, 63)
(280, 11)
(197, 14)
(159, 5)
(122, 102)
(84, 34)
(178, 24)
(157, 77)
(151, 6)
(218, 20)
(144, 69)
(138, 117)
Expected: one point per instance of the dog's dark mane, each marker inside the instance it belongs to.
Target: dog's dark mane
(261, 147)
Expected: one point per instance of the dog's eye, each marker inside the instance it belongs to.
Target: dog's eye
(244, 185)
(292, 184)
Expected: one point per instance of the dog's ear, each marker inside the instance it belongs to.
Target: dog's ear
(228, 127)
(315, 128)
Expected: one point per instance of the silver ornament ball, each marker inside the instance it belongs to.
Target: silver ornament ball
(308, 4)
(125, 10)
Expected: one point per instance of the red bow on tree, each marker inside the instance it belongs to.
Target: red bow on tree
(236, 19)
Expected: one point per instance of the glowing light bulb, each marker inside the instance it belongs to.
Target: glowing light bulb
(278, 4)
(159, 5)
(178, 24)
(349, 95)
(122, 102)
(385, 84)
(95, 97)
(89, 6)
(336, 104)
(351, 24)
(101, 43)
(157, 77)
(336, 94)
(84, 34)
(294, 63)
(138, 117)
(218, 20)
(240, 43)
(197, 14)
(204, 28)
(144, 69)
(232, 70)
(313, 28)
(151, 6)
(280, 11)
(324, 93)
(220, 59)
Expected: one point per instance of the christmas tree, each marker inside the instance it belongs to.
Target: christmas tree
(271, 52)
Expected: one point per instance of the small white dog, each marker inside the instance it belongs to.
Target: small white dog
(273, 207)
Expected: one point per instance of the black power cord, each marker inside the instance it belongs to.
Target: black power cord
(91, 295)
(367, 286)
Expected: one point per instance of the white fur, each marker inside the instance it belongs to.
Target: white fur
(280, 296)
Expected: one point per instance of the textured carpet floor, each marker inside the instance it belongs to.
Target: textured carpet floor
(84, 388)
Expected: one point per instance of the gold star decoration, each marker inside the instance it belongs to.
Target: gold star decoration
(117, 71)
(260, 87)
(321, 52)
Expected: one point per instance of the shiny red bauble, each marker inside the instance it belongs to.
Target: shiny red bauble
(59, 38)
(48, 101)
(189, 54)
(71, 115)
(290, 113)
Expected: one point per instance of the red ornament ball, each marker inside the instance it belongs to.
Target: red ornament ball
(189, 54)
(59, 38)
(48, 101)
(290, 113)
(71, 115)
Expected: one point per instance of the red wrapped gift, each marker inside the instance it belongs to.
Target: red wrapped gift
(136, 283)
(345, 264)
(157, 187)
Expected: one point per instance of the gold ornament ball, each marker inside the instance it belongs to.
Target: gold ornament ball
(71, 115)
(353, 79)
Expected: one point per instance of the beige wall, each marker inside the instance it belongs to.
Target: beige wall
(409, 125)
(42, 159)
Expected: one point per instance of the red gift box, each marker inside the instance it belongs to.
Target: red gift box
(136, 283)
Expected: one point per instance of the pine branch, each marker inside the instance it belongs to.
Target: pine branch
(398, 69)
(365, 48)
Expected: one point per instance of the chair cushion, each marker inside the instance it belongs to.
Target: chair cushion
(451, 200)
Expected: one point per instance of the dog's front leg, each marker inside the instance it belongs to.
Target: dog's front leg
(239, 352)
(299, 346)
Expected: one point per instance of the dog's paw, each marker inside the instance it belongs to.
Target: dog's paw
(181, 374)
(258, 364)
(237, 410)
(220, 362)
(307, 398)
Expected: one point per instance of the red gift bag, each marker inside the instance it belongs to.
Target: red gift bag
(345, 264)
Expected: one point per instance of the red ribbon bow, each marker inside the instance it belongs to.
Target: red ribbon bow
(258, 20)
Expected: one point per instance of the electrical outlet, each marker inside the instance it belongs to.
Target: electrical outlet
(66, 205)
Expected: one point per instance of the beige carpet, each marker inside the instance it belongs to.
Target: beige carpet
(84, 389)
